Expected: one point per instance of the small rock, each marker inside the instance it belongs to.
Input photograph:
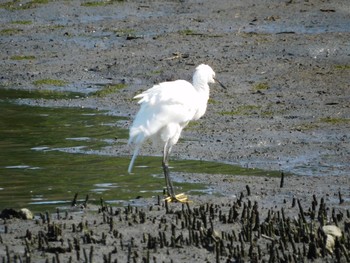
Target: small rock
(332, 232)
(9, 213)
(26, 213)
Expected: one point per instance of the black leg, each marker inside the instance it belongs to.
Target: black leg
(165, 164)
(172, 197)
(168, 182)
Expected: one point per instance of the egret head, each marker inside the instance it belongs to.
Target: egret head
(205, 74)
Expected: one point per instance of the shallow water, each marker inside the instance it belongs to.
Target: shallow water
(49, 154)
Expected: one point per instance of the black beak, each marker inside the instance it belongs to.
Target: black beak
(222, 85)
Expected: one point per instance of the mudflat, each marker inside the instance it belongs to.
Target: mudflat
(286, 66)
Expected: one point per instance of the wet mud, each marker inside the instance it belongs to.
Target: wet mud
(286, 66)
(268, 221)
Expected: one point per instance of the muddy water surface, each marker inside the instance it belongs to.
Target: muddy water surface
(49, 154)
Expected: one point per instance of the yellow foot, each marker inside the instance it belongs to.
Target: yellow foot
(182, 198)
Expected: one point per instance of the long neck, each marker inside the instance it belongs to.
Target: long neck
(200, 83)
(202, 88)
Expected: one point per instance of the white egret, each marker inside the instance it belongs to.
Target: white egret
(165, 110)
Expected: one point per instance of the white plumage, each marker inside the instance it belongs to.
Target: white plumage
(166, 109)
